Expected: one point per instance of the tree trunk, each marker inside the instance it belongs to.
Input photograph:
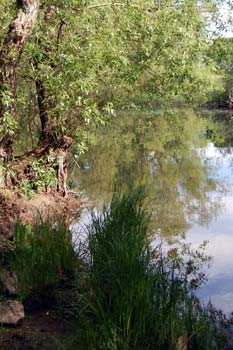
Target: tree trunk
(43, 109)
(230, 98)
(19, 30)
(44, 100)
(54, 141)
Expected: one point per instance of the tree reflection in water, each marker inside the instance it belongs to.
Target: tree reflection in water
(161, 151)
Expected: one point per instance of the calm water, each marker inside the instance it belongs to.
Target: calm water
(185, 160)
(219, 233)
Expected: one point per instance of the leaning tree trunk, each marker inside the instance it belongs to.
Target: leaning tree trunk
(19, 30)
(50, 139)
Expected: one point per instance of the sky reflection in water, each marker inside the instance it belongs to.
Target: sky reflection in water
(219, 233)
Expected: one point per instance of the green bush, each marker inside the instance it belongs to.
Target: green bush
(43, 255)
(138, 299)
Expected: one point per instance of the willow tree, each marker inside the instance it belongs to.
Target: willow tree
(66, 64)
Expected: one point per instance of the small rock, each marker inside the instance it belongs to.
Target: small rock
(11, 312)
(9, 281)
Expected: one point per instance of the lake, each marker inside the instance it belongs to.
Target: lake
(185, 161)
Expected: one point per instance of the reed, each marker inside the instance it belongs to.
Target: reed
(137, 298)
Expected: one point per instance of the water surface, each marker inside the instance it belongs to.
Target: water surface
(185, 160)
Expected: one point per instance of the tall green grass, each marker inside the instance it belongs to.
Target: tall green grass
(138, 299)
(122, 292)
(43, 255)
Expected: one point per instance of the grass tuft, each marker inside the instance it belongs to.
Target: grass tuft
(43, 255)
(139, 299)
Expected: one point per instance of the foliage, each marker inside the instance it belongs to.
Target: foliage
(94, 58)
(215, 89)
(139, 298)
(42, 173)
(220, 52)
(43, 254)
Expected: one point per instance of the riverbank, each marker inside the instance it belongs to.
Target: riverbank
(41, 328)
(114, 292)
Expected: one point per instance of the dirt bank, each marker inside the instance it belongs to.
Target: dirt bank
(15, 206)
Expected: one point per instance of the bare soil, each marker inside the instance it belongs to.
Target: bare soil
(15, 206)
(39, 331)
